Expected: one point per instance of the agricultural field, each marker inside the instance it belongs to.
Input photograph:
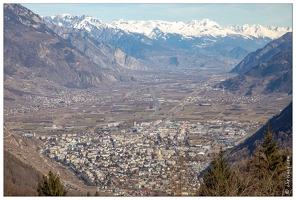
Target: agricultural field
(194, 98)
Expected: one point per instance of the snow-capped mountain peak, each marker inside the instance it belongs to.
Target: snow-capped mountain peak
(203, 22)
(198, 28)
(76, 21)
(154, 28)
(193, 28)
(257, 30)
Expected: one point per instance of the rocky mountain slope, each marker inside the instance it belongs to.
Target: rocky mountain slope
(281, 126)
(262, 55)
(26, 161)
(268, 70)
(101, 53)
(30, 47)
(20, 179)
(38, 60)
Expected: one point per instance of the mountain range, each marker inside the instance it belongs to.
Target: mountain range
(199, 43)
(38, 60)
(155, 28)
(82, 51)
(43, 54)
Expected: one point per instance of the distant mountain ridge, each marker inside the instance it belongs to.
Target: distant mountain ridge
(199, 43)
(153, 28)
(197, 34)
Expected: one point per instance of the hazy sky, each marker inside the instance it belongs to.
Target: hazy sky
(267, 14)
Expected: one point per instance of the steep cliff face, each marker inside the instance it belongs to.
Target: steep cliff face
(103, 54)
(127, 62)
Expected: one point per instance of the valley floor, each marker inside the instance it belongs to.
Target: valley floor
(126, 139)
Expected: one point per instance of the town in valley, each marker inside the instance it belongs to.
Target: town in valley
(154, 136)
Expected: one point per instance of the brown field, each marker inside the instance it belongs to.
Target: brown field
(85, 116)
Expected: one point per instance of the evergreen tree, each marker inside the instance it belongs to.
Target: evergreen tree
(267, 167)
(51, 186)
(218, 180)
